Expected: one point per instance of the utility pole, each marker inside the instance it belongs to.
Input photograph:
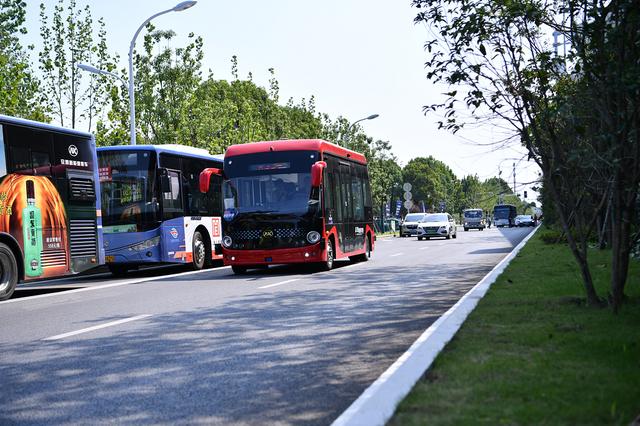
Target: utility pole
(514, 178)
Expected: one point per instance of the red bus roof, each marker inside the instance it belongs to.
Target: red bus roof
(295, 145)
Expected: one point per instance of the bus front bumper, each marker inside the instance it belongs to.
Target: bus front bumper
(307, 254)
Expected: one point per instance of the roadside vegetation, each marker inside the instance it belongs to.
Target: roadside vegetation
(534, 352)
(575, 109)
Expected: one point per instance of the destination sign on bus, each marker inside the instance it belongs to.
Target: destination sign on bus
(270, 166)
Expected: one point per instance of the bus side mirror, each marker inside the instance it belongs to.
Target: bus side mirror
(316, 173)
(165, 183)
(205, 178)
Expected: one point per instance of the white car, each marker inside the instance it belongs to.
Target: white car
(437, 225)
(524, 220)
(409, 225)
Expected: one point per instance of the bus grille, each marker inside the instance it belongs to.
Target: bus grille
(82, 189)
(256, 234)
(83, 240)
(54, 258)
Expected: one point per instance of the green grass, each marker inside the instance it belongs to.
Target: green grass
(533, 353)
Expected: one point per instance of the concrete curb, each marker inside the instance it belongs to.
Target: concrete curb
(378, 402)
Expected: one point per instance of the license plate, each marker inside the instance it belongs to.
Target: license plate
(268, 259)
(110, 259)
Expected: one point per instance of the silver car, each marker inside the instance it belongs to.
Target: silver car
(409, 225)
(437, 225)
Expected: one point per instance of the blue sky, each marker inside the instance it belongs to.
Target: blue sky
(357, 57)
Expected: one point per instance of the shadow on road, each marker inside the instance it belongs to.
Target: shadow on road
(289, 356)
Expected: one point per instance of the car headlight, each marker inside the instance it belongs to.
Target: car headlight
(227, 241)
(145, 245)
(443, 228)
(313, 237)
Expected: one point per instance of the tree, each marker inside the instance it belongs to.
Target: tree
(494, 56)
(67, 41)
(433, 182)
(18, 85)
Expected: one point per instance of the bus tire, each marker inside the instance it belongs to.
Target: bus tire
(327, 265)
(118, 269)
(8, 272)
(199, 250)
(239, 270)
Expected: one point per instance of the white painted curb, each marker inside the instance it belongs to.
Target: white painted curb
(378, 402)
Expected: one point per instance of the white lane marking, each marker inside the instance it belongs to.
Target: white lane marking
(96, 327)
(118, 284)
(424, 248)
(397, 254)
(280, 283)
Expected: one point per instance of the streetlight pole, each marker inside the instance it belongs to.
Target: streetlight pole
(132, 105)
(371, 117)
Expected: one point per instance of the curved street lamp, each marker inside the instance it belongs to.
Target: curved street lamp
(132, 104)
(177, 8)
(371, 117)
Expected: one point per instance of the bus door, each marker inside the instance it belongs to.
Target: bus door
(172, 232)
(348, 232)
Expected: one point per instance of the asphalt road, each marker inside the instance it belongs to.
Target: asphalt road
(283, 346)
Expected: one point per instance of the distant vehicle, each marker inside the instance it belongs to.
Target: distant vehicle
(504, 215)
(152, 207)
(473, 219)
(524, 220)
(437, 225)
(409, 226)
(50, 223)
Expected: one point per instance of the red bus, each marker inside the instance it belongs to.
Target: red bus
(295, 201)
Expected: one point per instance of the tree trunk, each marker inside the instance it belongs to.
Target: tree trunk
(621, 247)
(581, 257)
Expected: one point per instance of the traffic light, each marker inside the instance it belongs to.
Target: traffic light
(525, 195)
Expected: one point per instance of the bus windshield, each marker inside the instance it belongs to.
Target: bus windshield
(474, 214)
(273, 182)
(127, 180)
(501, 212)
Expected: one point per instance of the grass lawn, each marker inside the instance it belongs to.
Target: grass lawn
(533, 353)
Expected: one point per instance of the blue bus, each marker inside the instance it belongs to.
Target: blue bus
(504, 215)
(152, 207)
(50, 222)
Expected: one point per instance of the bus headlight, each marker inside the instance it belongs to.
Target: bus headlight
(313, 237)
(146, 244)
(227, 241)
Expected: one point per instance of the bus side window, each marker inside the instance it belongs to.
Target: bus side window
(337, 205)
(329, 212)
(345, 180)
(172, 200)
(20, 159)
(358, 198)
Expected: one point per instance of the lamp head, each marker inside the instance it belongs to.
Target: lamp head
(183, 6)
(88, 68)
(371, 117)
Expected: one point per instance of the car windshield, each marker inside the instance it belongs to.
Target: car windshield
(272, 182)
(525, 217)
(473, 213)
(436, 218)
(414, 217)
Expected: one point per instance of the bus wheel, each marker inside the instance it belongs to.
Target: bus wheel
(364, 256)
(118, 270)
(327, 265)
(8, 272)
(238, 270)
(199, 251)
